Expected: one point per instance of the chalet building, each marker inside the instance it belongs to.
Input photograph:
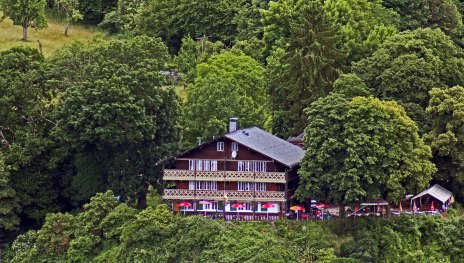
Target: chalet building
(236, 175)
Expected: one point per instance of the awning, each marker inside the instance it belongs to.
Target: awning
(378, 201)
(437, 192)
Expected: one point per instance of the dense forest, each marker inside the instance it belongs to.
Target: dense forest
(377, 85)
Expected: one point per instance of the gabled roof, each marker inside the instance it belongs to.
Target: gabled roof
(436, 191)
(269, 145)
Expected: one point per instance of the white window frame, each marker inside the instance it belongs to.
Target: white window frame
(214, 165)
(245, 186)
(220, 146)
(210, 207)
(191, 165)
(204, 185)
(234, 146)
(260, 187)
(248, 207)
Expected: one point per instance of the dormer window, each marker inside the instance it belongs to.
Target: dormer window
(234, 147)
(220, 146)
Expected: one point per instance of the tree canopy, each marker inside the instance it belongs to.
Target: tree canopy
(446, 136)
(362, 148)
(227, 85)
(26, 14)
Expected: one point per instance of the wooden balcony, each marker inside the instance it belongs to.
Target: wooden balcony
(184, 194)
(230, 176)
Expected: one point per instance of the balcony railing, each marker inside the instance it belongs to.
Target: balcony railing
(182, 194)
(231, 176)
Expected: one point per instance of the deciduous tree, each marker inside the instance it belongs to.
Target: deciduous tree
(227, 85)
(446, 137)
(9, 206)
(362, 148)
(408, 65)
(70, 8)
(27, 14)
(115, 109)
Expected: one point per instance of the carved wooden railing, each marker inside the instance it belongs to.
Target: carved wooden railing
(232, 176)
(219, 195)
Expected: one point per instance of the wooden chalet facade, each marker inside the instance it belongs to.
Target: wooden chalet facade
(247, 166)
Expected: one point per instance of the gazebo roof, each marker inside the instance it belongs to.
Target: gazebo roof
(436, 191)
(378, 201)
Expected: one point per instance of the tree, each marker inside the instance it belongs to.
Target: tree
(277, 20)
(362, 148)
(445, 15)
(27, 14)
(9, 206)
(172, 20)
(114, 109)
(309, 66)
(446, 137)
(71, 10)
(413, 13)
(25, 123)
(408, 65)
(363, 25)
(227, 85)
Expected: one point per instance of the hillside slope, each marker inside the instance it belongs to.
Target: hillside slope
(51, 37)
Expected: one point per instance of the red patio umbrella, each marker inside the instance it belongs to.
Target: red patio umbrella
(432, 207)
(184, 204)
(267, 206)
(238, 205)
(297, 208)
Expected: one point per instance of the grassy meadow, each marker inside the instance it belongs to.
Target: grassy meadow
(51, 37)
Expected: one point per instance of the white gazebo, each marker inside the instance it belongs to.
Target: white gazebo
(437, 192)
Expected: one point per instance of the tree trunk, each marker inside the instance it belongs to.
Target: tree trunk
(388, 211)
(142, 201)
(341, 211)
(66, 29)
(25, 33)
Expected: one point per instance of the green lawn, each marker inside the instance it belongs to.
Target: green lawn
(51, 37)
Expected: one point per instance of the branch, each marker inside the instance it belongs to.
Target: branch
(3, 139)
(50, 121)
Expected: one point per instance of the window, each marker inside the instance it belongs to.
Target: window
(211, 206)
(247, 207)
(245, 166)
(191, 185)
(191, 164)
(245, 186)
(220, 146)
(248, 186)
(203, 165)
(249, 166)
(213, 165)
(234, 146)
(260, 187)
(259, 167)
(202, 185)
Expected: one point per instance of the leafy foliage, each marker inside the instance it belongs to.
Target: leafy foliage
(362, 148)
(227, 85)
(308, 68)
(114, 109)
(25, 13)
(9, 206)
(171, 20)
(446, 136)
